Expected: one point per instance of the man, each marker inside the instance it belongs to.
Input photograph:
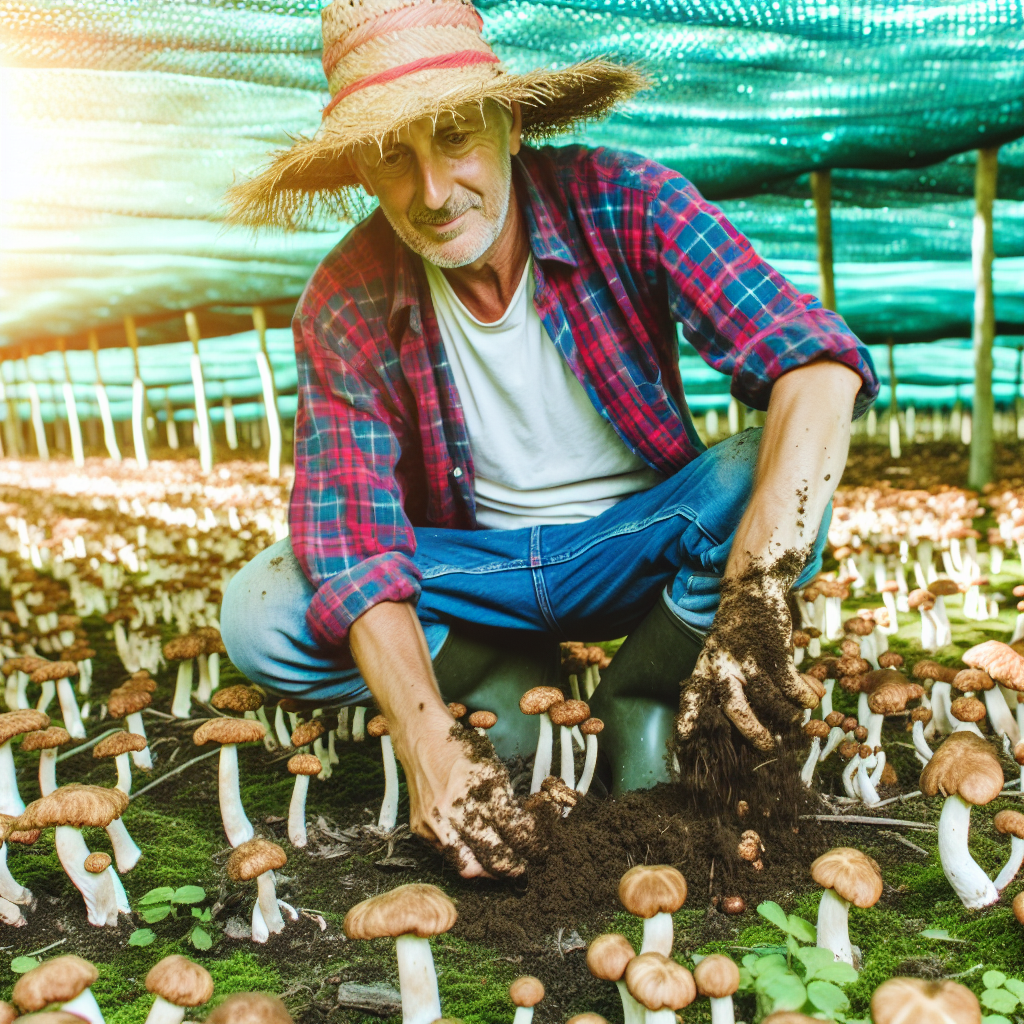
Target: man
(493, 451)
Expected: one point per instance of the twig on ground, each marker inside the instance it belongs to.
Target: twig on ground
(906, 842)
(36, 952)
(902, 798)
(158, 714)
(859, 819)
(167, 775)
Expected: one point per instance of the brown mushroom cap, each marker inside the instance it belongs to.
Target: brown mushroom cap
(834, 719)
(1000, 661)
(926, 669)
(817, 728)
(483, 719)
(375, 727)
(75, 805)
(119, 743)
(568, 713)
(141, 681)
(25, 838)
(964, 765)
(539, 699)
(922, 599)
(305, 764)
(54, 670)
(944, 587)
(589, 1017)
(716, 976)
(925, 1002)
(1018, 753)
(15, 723)
(183, 648)
(649, 889)
(8, 1014)
(526, 991)
(608, 955)
(250, 1008)
(237, 698)
(850, 874)
(921, 715)
(733, 905)
(123, 702)
(1010, 823)
(229, 730)
(852, 666)
(306, 732)
(414, 909)
(858, 626)
(659, 983)
(891, 697)
(890, 659)
(253, 858)
(54, 981)
(1018, 907)
(592, 727)
(457, 710)
(800, 638)
(97, 863)
(180, 981)
(967, 709)
(972, 680)
(46, 739)
(849, 724)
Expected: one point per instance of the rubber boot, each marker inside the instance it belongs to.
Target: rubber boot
(492, 676)
(638, 698)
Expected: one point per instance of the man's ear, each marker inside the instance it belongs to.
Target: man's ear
(515, 133)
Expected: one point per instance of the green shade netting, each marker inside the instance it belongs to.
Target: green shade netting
(128, 121)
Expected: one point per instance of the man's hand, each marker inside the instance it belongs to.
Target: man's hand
(746, 668)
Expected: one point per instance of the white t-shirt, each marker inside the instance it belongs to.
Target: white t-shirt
(543, 454)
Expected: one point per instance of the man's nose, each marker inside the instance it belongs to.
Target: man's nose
(436, 183)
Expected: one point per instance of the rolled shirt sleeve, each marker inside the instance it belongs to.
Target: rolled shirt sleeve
(742, 316)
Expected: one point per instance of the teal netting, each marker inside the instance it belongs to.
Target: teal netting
(121, 124)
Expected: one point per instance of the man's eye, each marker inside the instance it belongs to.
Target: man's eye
(391, 159)
(458, 138)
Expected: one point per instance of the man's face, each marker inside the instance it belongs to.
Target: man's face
(445, 187)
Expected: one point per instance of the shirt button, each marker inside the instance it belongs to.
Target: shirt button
(457, 472)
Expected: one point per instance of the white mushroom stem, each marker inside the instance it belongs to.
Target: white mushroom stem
(864, 711)
(297, 812)
(722, 1011)
(835, 737)
(967, 727)
(865, 784)
(203, 688)
(851, 767)
(284, 737)
(874, 724)
(920, 743)
(267, 899)
(1000, 716)
(97, 890)
(11, 914)
(565, 748)
(120, 896)
(10, 888)
(142, 758)
(963, 873)
(260, 932)
(542, 759)
(658, 935)
(237, 826)
(126, 851)
(632, 1011)
(47, 771)
(84, 1005)
(826, 700)
(660, 1017)
(213, 669)
(1018, 629)
(332, 753)
(1012, 866)
(343, 730)
(124, 773)
(11, 692)
(181, 706)
(22, 700)
(929, 639)
(940, 708)
(389, 805)
(524, 1015)
(163, 1012)
(807, 772)
(85, 677)
(588, 765)
(833, 618)
(359, 725)
(834, 926)
(69, 709)
(10, 798)
(943, 630)
(1010, 696)
(798, 656)
(269, 742)
(417, 980)
(47, 691)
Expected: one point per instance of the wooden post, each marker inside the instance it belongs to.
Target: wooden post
(894, 410)
(12, 421)
(138, 399)
(202, 412)
(821, 192)
(230, 427)
(103, 401)
(74, 427)
(42, 448)
(259, 320)
(982, 438)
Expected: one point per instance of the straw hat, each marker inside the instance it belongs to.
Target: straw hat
(391, 62)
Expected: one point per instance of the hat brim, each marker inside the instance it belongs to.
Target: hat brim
(314, 177)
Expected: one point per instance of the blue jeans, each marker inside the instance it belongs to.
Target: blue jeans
(583, 581)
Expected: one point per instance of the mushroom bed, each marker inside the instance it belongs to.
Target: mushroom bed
(538, 925)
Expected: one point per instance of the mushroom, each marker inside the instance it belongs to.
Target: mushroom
(525, 992)
(183, 649)
(302, 766)
(733, 905)
(800, 641)
(119, 745)
(60, 672)
(966, 771)
(583, 1018)
(923, 601)
(817, 730)
(377, 727)
(849, 751)
(836, 734)
(177, 983)
(975, 680)
(591, 729)
(536, 702)
(718, 978)
(941, 589)
(209, 662)
(1018, 907)
(128, 704)
(67, 810)
(15, 723)
(64, 979)
(660, 985)
(750, 849)
(967, 712)
(250, 1008)
(905, 1000)
(247, 701)
(847, 876)
(410, 914)
(259, 859)
(1018, 626)
(607, 958)
(97, 863)
(942, 679)
(654, 892)
(229, 732)
(284, 737)
(888, 693)
(481, 721)
(1010, 823)
(47, 742)
(863, 628)
(568, 714)
(919, 718)
(1005, 665)
(12, 890)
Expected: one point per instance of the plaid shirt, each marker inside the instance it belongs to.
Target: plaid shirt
(624, 249)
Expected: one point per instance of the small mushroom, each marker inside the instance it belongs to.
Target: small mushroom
(660, 985)
(654, 892)
(183, 650)
(817, 730)
(247, 701)
(967, 712)
(591, 729)
(1010, 823)
(10, 889)
(60, 672)
(177, 983)
(250, 1008)
(259, 859)
(536, 702)
(717, 977)
(919, 718)
(481, 721)
(1005, 665)
(977, 681)
(525, 992)
(119, 745)
(128, 703)
(12, 724)
(568, 714)
(607, 958)
(377, 727)
(750, 849)
(847, 876)
(229, 732)
(64, 979)
(733, 905)
(47, 742)
(901, 1000)
(302, 766)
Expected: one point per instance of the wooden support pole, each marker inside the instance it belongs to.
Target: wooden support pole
(202, 411)
(103, 401)
(74, 427)
(259, 321)
(12, 424)
(138, 399)
(821, 193)
(230, 427)
(42, 448)
(982, 253)
(894, 410)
